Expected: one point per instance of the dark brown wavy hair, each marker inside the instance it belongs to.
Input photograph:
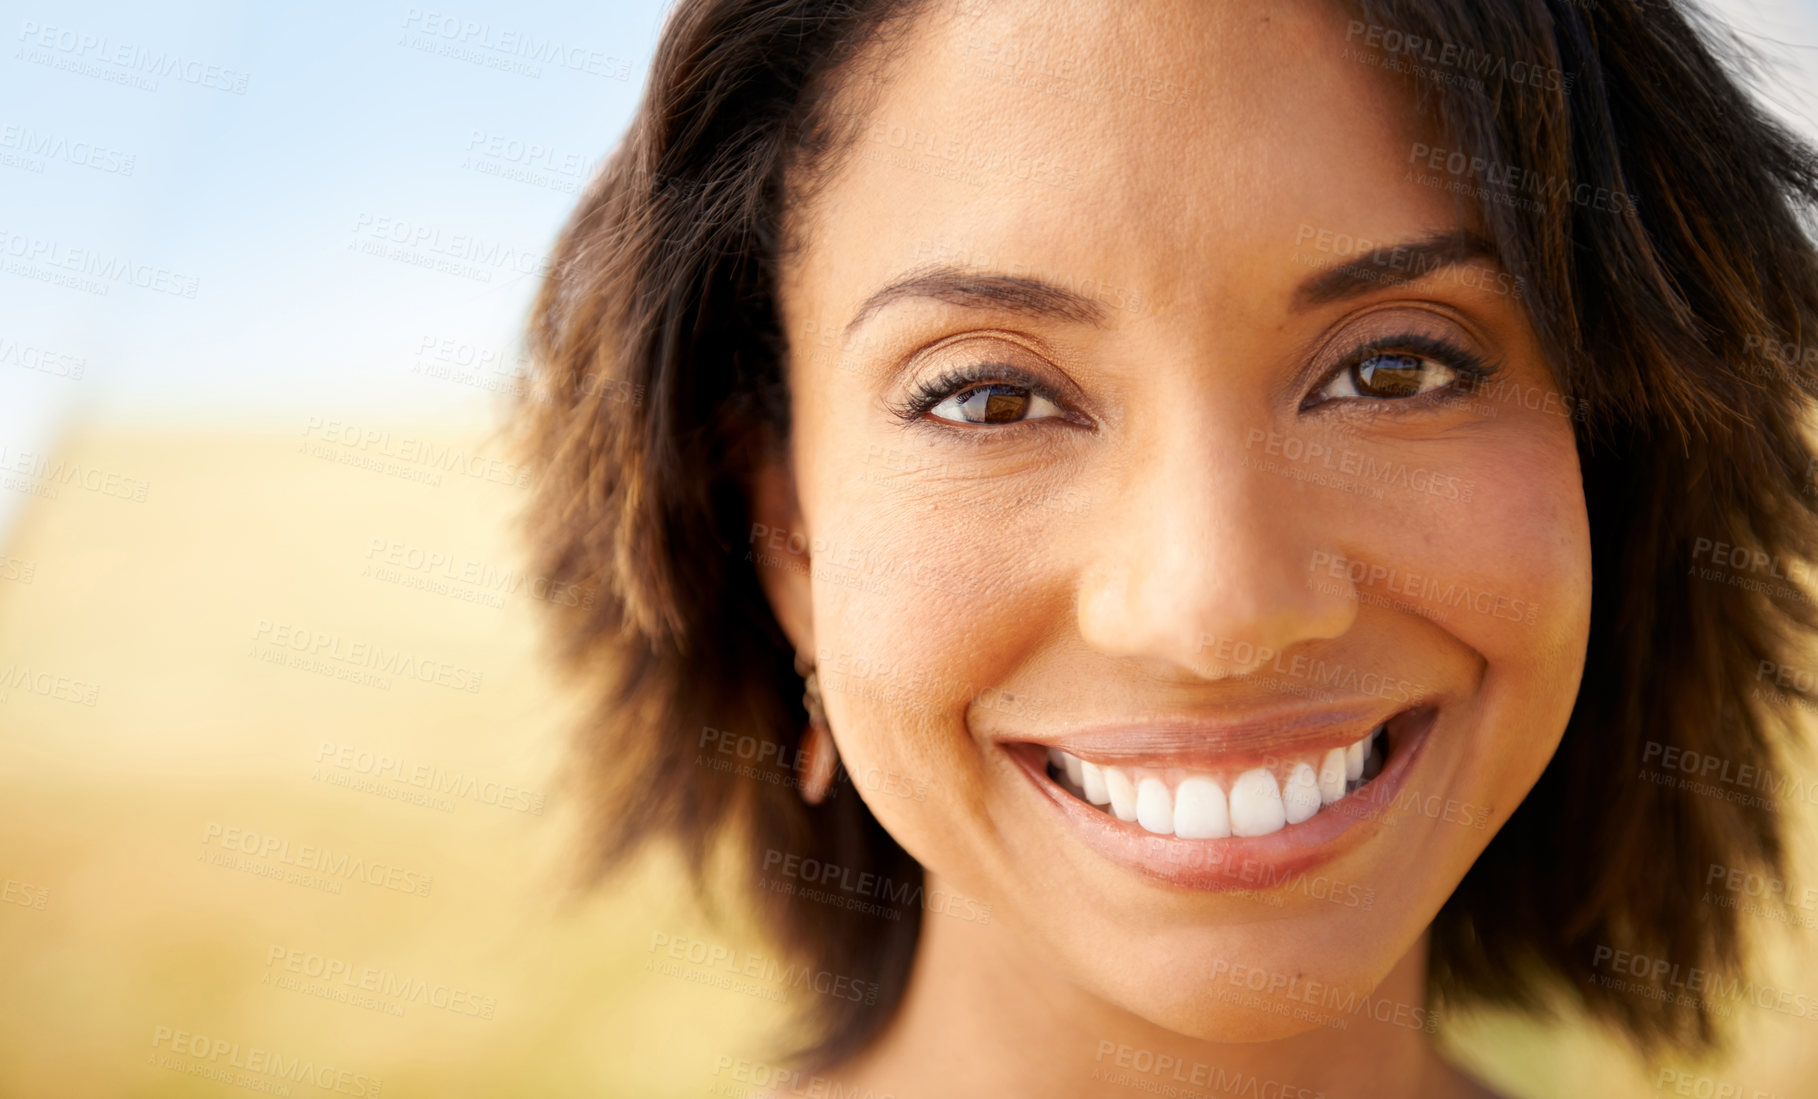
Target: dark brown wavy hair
(660, 384)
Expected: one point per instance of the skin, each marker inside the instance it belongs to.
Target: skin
(971, 585)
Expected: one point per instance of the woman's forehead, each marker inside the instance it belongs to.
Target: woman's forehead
(1179, 149)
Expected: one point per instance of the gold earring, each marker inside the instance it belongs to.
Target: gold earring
(819, 755)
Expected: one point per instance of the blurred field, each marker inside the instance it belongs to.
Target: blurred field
(120, 928)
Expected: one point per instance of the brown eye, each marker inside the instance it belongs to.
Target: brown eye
(1390, 375)
(994, 403)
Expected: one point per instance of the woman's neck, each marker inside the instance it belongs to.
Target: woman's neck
(984, 1016)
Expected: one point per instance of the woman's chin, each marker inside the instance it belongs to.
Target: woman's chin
(1206, 1018)
(1215, 1000)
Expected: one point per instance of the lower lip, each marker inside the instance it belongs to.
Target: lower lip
(1239, 863)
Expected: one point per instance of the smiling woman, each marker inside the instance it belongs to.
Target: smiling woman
(1193, 509)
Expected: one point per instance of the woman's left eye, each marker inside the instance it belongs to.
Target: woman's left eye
(1390, 375)
(995, 403)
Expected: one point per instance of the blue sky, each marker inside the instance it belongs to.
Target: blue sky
(277, 146)
(284, 179)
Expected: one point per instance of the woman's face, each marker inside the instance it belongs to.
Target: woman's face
(1116, 434)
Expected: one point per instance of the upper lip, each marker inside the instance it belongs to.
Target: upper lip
(1186, 741)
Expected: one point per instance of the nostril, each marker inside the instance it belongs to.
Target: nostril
(1216, 618)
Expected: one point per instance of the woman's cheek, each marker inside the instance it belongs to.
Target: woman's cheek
(1500, 559)
(923, 602)
(1533, 556)
(1517, 593)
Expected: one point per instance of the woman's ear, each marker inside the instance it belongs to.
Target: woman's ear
(780, 549)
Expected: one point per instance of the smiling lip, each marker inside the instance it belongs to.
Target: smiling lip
(1241, 743)
(1233, 863)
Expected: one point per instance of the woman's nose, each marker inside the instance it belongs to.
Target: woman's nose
(1204, 553)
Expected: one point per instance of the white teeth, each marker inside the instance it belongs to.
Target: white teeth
(1166, 801)
(1332, 776)
(1092, 779)
(1256, 808)
(1357, 754)
(1155, 806)
(1123, 793)
(1200, 812)
(1300, 797)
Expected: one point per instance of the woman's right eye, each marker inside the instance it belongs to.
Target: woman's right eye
(995, 403)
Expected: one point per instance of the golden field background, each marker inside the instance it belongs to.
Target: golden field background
(115, 923)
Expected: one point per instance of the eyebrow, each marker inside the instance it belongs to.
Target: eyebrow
(1390, 265)
(1393, 265)
(979, 290)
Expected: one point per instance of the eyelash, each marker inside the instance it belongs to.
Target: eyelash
(931, 392)
(1473, 371)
